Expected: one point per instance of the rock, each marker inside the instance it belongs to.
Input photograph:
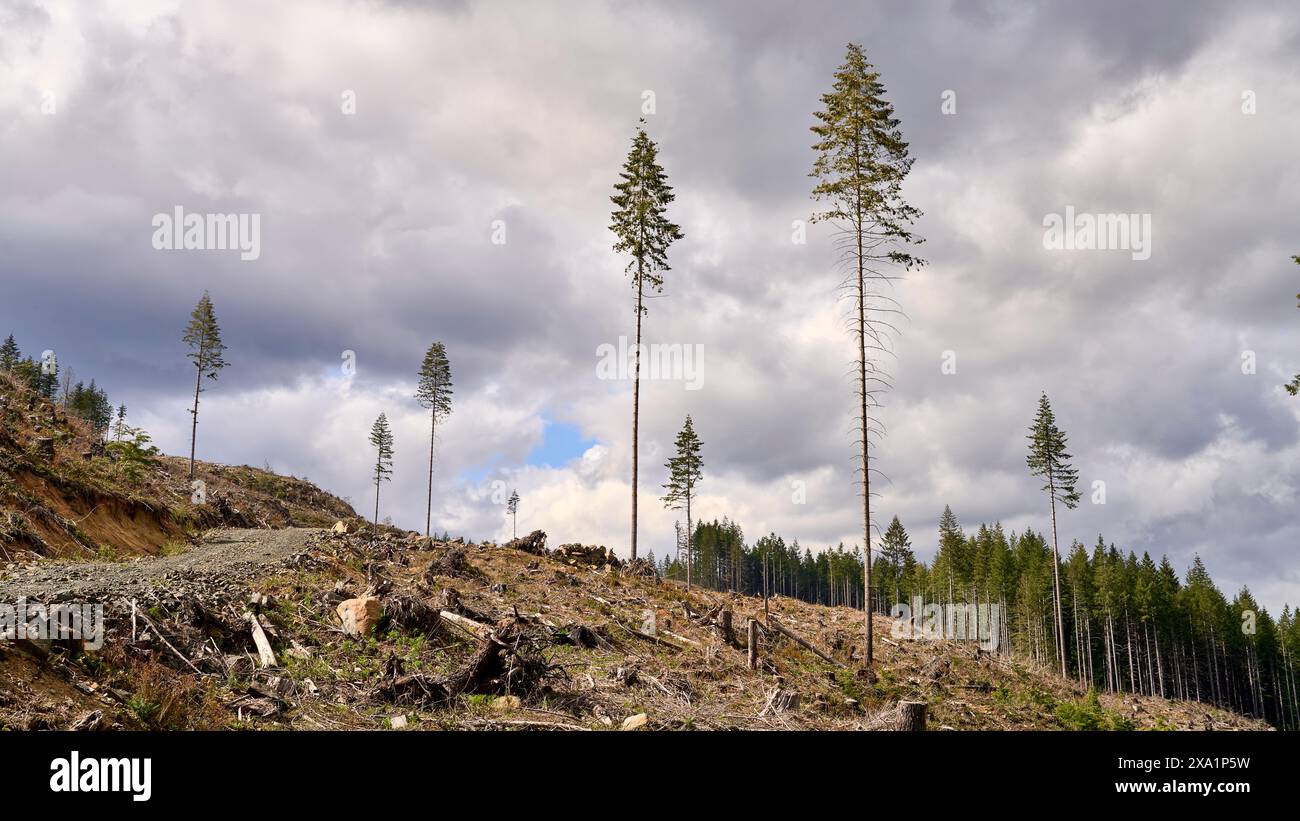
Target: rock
(341, 527)
(397, 722)
(635, 722)
(505, 704)
(359, 616)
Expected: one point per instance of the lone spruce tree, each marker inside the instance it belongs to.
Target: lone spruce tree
(203, 335)
(434, 394)
(684, 472)
(9, 354)
(382, 439)
(512, 507)
(896, 550)
(861, 163)
(642, 230)
(1049, 459)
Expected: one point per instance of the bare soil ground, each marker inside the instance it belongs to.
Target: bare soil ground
(491, 637)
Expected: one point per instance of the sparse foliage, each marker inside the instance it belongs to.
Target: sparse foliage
(512, 507)
(860, 166)
(1049, 460)
(685, 470)
(643, 231)
(434, 394)
(381, 438)
(207, 354)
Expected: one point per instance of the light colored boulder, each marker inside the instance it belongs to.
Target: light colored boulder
(359, 616)
(505, 704)
(635, 722)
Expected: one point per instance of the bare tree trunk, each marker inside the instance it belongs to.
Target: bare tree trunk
(636, 401)
(1092, 671)
(1078, 636)
(866, 470)
(1160, 661)
(1196, 676)
(1056, 578)
(194, 414)
(689, 534)
(433, 430)
(1128, 647)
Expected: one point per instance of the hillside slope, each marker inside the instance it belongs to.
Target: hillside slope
(496, 637)
(63, 495)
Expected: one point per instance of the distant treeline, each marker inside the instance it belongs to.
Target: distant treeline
(1132, 624)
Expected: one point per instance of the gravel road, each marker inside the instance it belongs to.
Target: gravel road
(222, 556)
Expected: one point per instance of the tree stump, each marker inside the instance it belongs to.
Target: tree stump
(911, 716)
(753, 644)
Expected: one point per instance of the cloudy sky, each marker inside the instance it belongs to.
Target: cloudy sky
(385, 146)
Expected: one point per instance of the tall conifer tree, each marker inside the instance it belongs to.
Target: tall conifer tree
(684, 471)
(381, 437)
(1049, 459)
(512, 507)
(203, 335)
(643, 231)
(861, 163)
(434, 394)
(896, 550)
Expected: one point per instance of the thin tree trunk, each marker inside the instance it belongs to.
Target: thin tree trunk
(1128, 647)
(1056, 576)
(378, 479)
(1160, 663)
(194, 414)
(688, 538)
(433, 430)
(862, 385)
(636, 401)
(1092, 669)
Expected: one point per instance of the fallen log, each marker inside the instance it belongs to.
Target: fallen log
(535, 725)
(164, 640)
(682, 639)
(648, 637)
(475, 628)
(790, 634)
(265, 654)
